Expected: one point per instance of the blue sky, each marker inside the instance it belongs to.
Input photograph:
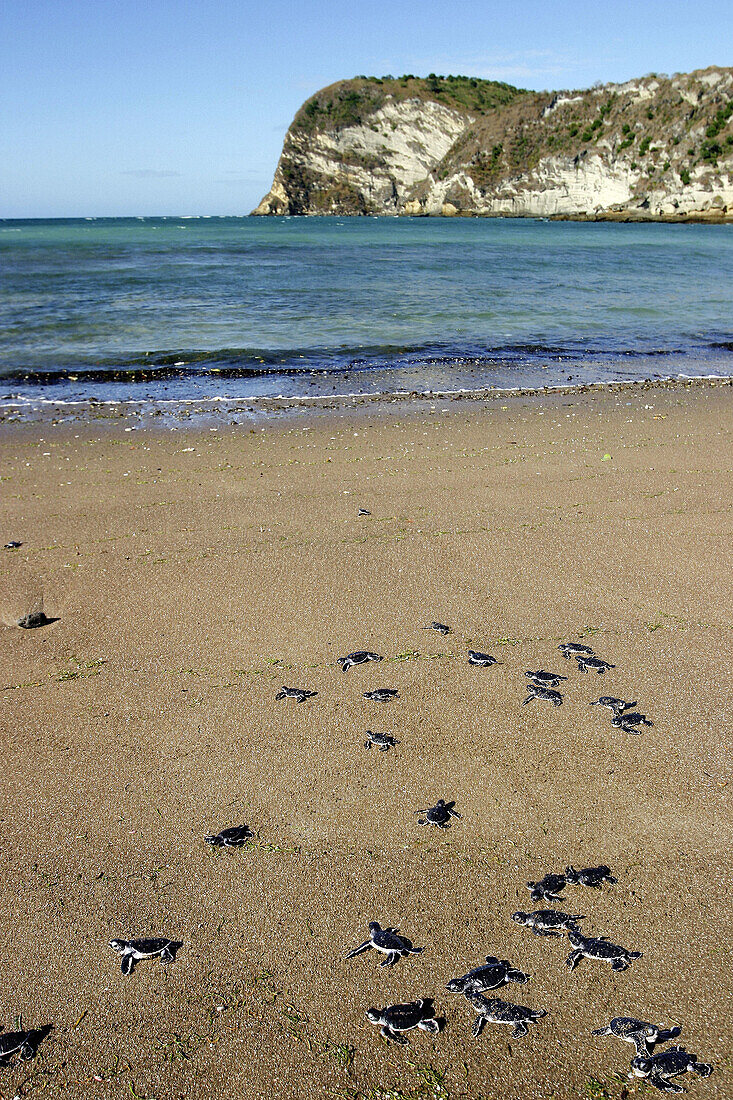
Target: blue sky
(160, 107)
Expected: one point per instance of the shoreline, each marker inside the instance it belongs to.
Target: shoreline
(160, 412)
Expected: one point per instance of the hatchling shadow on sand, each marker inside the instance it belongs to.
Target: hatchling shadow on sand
(23, 1043)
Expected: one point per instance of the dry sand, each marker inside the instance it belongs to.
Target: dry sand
(194, 574)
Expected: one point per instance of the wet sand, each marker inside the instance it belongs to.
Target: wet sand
(195, 573)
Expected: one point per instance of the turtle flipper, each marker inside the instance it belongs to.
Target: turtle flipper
(167, 955)
(358, 950)
(520, 1029)
(573, 959)
(663, 1083)
(27, 1051)
(429, 1025)
(128, 964)
(478, 1026)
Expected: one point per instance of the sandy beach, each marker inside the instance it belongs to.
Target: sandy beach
(195, 572)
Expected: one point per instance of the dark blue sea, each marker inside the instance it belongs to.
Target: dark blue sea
(168, 310)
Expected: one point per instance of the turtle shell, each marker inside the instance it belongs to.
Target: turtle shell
(505, 1012)
(149, 947)
(402, 1017)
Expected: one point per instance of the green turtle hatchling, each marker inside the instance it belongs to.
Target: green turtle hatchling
(642, 1034)
(233, 837)
(133, 951)
(388, 942)
(439, 815)
(441, 628)
(394, 1020)
(661, 1067)
(359, 657)
(382, 741)
(590, 876)
(23, 1043)
(598, 947)
(481, 660)
(595, 664)
(382, 695)
(495, 1011)
(493, 973)
(574, 649)
(299, 694)
(548, 922)
(548, 888)
(549, 695)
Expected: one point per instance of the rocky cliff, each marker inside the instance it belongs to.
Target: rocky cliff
(657, 147)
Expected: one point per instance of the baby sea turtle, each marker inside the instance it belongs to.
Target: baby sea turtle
(494, 973)
(600, 948)
(534, 691)
(363, 512)
(638, 1032)
(360, 657)
(396, 1019)
(618, 706)
(545, 679)
(383, 741)
(660, 1068)
(23, 1043)
(595, 664)
(628, 719)
(12, 545)
(233, 837)
(133, 951)
(382, 695)
(590, 876)
(388, 942)
(299, 694)
(548, 888)
(440, 627)
(34, 619)
(572, 649)
(548, 922)
(440, 814)
(494, 1011)
(482, 660)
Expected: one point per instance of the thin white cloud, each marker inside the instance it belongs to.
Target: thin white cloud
(150, 173)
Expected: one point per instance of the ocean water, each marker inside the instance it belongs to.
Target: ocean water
(193, 309)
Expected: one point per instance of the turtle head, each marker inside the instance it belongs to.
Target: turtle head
(575, 937)
(520, 918)
(456, 985)
(571, 876)
(120, 946)
(374, 1015)
(641, 1066)
(374, 926)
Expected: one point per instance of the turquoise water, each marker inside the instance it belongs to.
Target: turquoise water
(177, 309)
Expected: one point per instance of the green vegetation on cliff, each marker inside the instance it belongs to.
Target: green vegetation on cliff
(351, 102)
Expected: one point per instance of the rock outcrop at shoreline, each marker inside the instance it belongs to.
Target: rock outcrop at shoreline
(656, 147)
